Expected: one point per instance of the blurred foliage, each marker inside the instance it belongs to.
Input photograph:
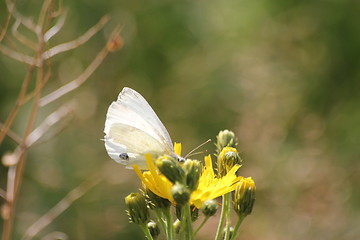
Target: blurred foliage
(283, 75)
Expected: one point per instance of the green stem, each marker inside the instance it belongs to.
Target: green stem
(186, 221)
(223, 216)
(201, 225)
(159, 216)
(236, 229)
(228, 215)
(170, 231)
(146, 231)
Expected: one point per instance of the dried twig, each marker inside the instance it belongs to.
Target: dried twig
(77, 42)
(56, 28)
(18, 56)
(40, 63)
(24, 20)
(21, 37)
(12, 135)
(18, 103)
(61, 206)
(6, 26)
(2, 193)
(49, 122)
(79, 80)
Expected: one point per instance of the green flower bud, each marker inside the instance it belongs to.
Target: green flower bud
(209, 208)
(180, 193)
(192, 172)
(171, 169)
(153, 228)
(244, 196)
(225, 138)
(155, 201)
(227, 159)
(137, 209)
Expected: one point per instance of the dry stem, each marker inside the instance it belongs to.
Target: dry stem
(61, 206)
(38, 63)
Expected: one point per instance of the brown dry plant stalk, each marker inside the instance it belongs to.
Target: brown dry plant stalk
(39, 69)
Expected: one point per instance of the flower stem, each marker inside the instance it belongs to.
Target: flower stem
(224, 213)
(146, 231)
(159, 216)
(236, 229)
(170, 232)
(201, 225)
(187, 224)
(228, 216)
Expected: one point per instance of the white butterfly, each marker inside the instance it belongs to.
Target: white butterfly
(132, 129)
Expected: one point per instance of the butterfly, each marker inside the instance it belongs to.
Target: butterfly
(132, 129)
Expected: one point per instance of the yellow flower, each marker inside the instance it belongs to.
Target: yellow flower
(210, 186)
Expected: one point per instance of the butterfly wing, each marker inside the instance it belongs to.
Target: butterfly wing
(132, 127)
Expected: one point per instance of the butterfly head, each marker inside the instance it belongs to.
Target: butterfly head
(179, 158)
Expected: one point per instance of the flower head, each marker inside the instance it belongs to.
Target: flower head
(227, 159)
(225, 138)
(244, 196)
(137, 209)
(210, 186)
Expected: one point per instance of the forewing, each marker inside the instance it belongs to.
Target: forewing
(132, 141)
(133, 110)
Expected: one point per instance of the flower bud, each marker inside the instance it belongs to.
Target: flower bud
(227, 159)
(180, 193)
(171, 169)
(137, 209)
(244, 196)
(192, 172)
(153, 228)
(155, 201)
(225, 138)
(209, 208)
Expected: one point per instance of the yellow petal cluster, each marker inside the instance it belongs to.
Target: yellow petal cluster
(210, 186)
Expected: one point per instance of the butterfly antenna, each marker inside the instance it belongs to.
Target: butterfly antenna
(196, 153)
(190, 153)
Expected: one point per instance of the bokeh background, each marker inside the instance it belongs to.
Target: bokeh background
(283, 75)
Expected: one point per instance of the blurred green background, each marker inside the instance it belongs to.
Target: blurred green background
(283, 75)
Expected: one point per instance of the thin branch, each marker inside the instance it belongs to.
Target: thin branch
(12, 134)
(21, 37)
(61, 206)
(20, 166)
(59, 11)
(76, 82)
(41, 19)
(56, 28)
(18, 56)
(49, 121)
(2, 193)
(24, 20)
(55, 235)
(77, 42)
(33, 93)
(18, 103)
(4, 30)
